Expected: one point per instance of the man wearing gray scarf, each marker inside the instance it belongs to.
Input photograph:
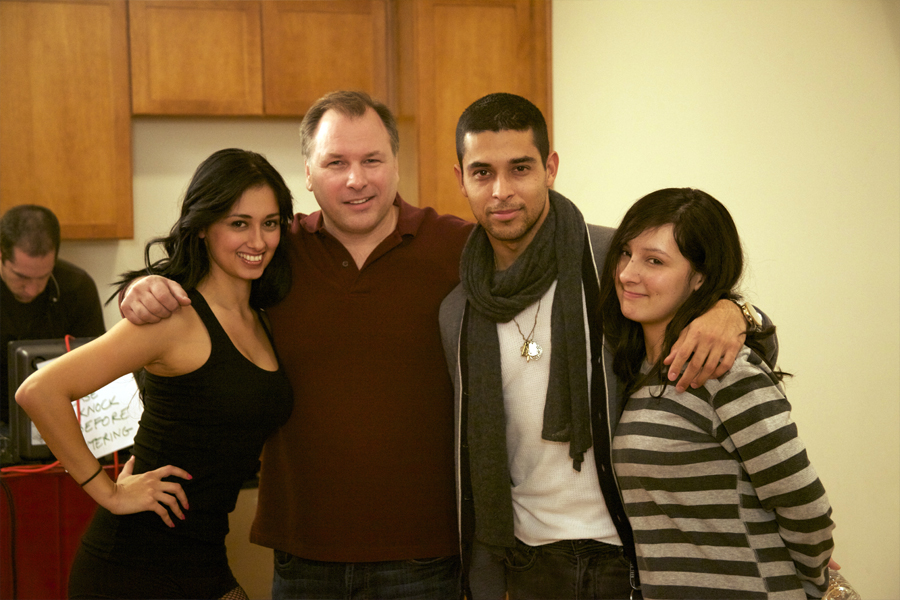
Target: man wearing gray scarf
(536, 400)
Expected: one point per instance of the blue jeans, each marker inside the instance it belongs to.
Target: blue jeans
(576, 569)
(425, 579)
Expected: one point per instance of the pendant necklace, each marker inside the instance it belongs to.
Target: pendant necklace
(531, 350)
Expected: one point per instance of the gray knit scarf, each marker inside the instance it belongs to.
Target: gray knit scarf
(555, 253)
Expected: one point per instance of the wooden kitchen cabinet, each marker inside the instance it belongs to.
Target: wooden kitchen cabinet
(253, 58)
(312, 48)
(65, 118)
(65, 90)
(196, 57)
(426, 59)
(453, 52)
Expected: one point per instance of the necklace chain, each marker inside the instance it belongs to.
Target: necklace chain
(530, 350)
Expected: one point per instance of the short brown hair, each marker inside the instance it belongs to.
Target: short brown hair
(352, 104)
(31, 228)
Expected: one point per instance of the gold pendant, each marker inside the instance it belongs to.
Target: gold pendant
(531, 350)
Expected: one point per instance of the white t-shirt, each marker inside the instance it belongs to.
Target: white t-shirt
(551, 500)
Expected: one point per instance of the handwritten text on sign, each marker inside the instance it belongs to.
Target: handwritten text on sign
(109, 417)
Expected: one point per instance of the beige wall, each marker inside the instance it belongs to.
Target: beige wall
(788, 111)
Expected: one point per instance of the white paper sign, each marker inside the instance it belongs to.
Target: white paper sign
(109, 416)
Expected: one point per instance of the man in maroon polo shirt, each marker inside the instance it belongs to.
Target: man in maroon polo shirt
(357, 490)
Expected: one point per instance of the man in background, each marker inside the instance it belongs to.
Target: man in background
(41, 296)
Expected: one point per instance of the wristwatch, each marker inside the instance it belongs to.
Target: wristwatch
(754, 321)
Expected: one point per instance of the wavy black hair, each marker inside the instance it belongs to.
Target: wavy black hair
(217, 184)
(707, 237)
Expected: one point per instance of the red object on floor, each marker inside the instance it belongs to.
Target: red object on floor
(51, 514)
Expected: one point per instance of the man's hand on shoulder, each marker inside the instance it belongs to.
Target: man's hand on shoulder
(708, 346)
(151, 299)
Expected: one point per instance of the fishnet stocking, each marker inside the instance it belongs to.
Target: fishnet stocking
(237, 593)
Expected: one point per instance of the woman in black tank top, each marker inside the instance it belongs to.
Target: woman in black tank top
(211, 385)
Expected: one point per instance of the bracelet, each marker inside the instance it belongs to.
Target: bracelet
(754, 323)
(751, 317)
(91, 478)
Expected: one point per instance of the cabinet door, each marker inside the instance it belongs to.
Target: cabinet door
(466, 49)
(196, 57)
(65, 122)
(312, 48)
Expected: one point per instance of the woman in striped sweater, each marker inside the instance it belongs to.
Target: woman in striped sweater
(716, 482)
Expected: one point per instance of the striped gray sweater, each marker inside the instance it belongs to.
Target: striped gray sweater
(719, 491)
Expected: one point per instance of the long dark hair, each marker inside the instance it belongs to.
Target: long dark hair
(217, 184)
(707, 237)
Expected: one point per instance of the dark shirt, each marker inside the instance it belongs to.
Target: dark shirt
(363, 470)
(212, 423)
(69, 305)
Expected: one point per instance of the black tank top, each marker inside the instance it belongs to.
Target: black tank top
(212, 423)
